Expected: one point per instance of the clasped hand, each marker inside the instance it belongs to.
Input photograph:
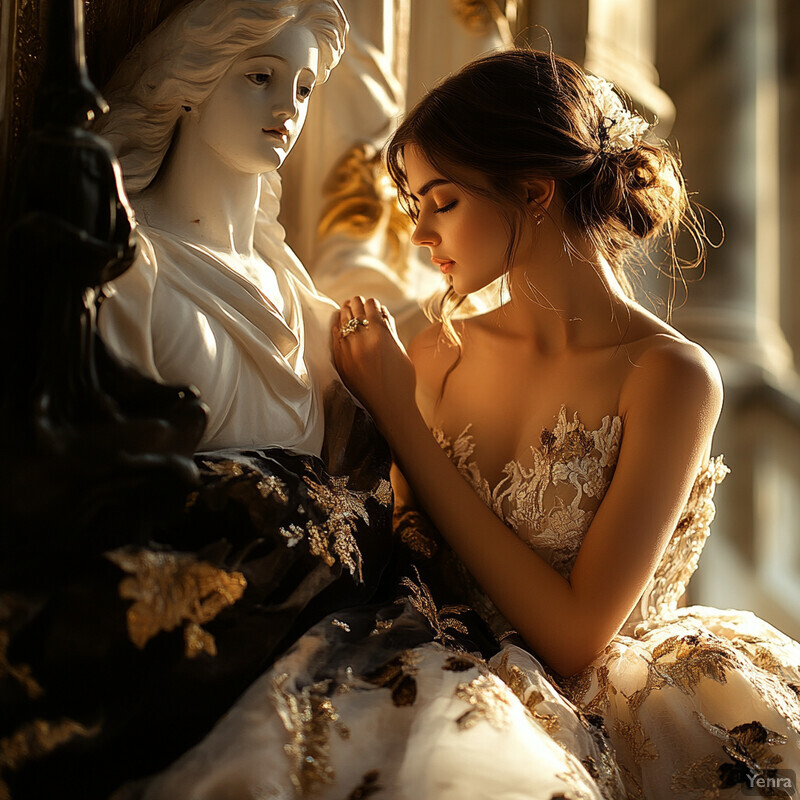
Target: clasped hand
(373, 363)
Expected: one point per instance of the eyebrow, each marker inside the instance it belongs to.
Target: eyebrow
(430, 185)
(266, 55)
(282, 60)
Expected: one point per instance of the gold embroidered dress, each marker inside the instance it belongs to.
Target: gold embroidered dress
(117, 657)
(409, 701)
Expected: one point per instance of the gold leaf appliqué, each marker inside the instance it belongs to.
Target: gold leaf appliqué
(169, 589)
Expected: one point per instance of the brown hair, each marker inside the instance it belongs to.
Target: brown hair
(523, 113)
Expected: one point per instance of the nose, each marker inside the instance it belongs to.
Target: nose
(286, 104)
(424, 234)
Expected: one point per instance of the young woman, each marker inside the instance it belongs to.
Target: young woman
(557, 441)
(560, 444)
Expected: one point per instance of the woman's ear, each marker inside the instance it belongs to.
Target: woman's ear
(539, 192)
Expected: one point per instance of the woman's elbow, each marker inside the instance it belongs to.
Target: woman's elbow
(574, 654)
(572, 664)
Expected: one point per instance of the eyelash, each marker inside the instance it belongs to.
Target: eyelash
(445, 209)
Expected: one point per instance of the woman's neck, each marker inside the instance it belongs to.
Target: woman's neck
(563, 299)
(199, 197)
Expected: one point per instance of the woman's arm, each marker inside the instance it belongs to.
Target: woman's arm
(670, 409)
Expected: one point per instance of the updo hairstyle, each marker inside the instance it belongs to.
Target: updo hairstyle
(520, 114)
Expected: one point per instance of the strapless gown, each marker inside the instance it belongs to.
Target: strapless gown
(435, 696)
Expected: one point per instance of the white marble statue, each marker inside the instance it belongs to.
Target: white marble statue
(203, 113)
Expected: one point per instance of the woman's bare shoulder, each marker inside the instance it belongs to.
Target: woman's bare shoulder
(670, 369)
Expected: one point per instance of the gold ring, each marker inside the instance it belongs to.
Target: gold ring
(351, 326)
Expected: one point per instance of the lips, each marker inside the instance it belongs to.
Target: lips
(444, 264)
(278, 133)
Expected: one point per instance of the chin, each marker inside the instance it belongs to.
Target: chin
(464, 288)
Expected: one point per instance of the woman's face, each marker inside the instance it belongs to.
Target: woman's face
(467, 235)
(256, 112)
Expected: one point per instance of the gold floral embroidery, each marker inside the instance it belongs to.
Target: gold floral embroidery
(757, 662)
(383, 493)
(422, 601)
(411, 528)
(550, 504)
(337, 499)
(197, 641)
(758, 653)
(640, 745)
(381, 625)
(173, 588)
(339, 624)
(34, 740)
(576, 686)
(523, 689)
(682, 662)
(749, 743)
(267, 485)
(335, 537)
(571, 774)
(293, 534)
(749, 748)
(308, 716)
(602, 698)
(272, 486)
(487, 700)
(631, 783)
(225, 468)
(699, 779)
(398, 675)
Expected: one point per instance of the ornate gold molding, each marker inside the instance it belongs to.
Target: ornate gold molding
(360, 198)
(483, 16)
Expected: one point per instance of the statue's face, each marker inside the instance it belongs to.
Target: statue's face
(257, 110)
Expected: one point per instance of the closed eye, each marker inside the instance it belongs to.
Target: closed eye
(445, 209)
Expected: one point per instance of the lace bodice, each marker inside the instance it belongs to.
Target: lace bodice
(550, 501)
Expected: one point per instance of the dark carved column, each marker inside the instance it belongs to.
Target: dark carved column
(92, 453)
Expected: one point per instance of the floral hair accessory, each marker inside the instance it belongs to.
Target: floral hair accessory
(620, 129)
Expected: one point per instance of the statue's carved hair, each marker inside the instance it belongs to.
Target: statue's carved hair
(520, 114)
(181, 62)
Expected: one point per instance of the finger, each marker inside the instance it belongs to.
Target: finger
(357, 307)
(374, 311)
(385, 314)
(345, 314)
